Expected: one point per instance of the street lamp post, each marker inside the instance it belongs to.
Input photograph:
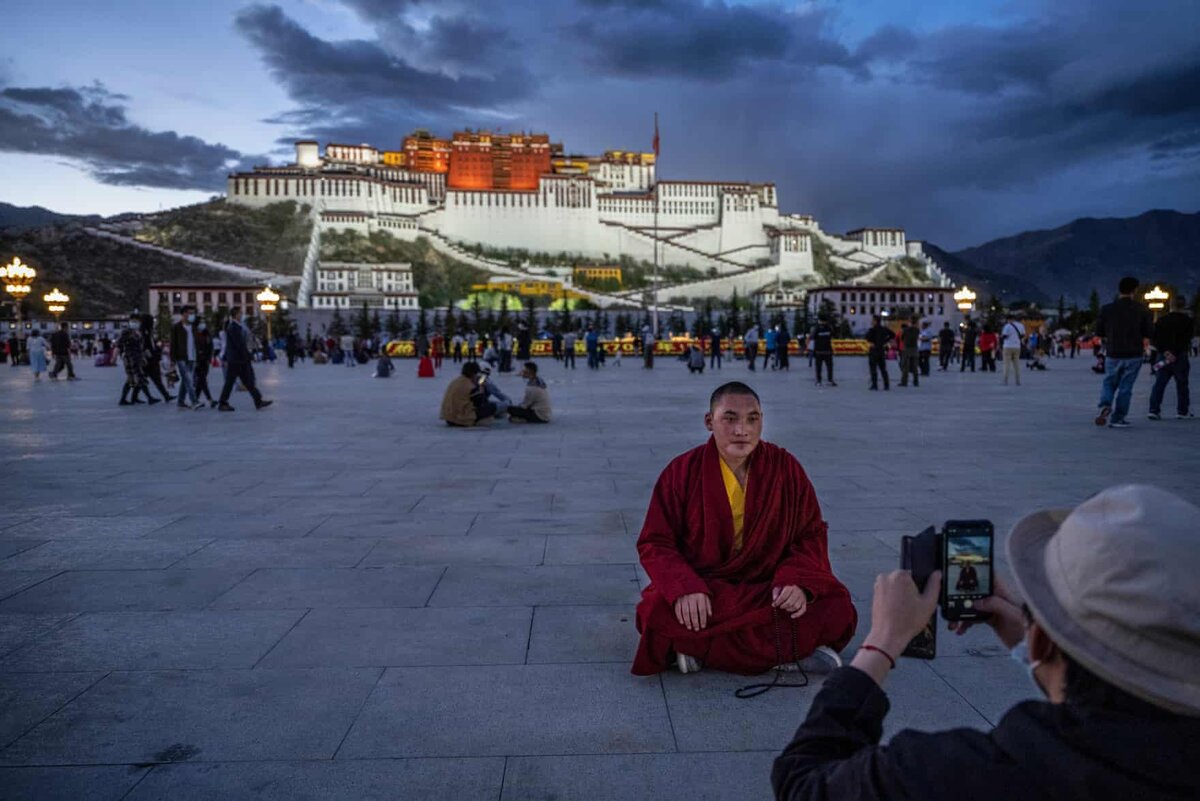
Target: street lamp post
(56, 302)
(965, 299)
(268, 299)
(1156, 299)
(17, 277)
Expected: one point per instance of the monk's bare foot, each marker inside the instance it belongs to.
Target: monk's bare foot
(821, 661)
(687, 664)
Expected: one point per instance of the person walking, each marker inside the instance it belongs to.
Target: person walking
(910, 336)
(750, 347)
(878, 338)
(569, 350)
(1125, 328)
(591, 342)
(925, 347)
(472, 346)
(1010, 346)
(783, 341)
(524, 343)
(347, 346)
(823, 349)
(152, 366)
(970, 333)
(987, 350)
(1172, 340)
(648, 344)
(714, 350)
(238, 361)
(133, 354)
(293, 348)
(14, 351)
(60, 348)
(945, 347)
(456, 348)
(183, 354)
(204, 357)
(35, 346)
(769, 356)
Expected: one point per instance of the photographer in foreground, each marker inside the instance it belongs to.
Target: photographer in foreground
(1109, 633)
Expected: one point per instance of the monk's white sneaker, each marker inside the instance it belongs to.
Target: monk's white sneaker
(687, 664)
(821, 661)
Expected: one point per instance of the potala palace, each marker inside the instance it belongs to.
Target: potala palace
(518, 191)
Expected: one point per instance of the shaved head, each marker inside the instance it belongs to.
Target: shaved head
(731, 388)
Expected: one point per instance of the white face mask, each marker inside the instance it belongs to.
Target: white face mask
(1020, 654)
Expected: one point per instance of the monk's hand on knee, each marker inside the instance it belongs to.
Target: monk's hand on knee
(693, 611)
(790, 599)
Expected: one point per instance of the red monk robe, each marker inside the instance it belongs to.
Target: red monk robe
(686, 546)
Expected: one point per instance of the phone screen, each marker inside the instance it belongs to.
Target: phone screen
(968, 563)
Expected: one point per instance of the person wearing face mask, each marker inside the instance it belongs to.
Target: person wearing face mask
(238, 363)
(1102, 616)
(204, 357)
(183, 354)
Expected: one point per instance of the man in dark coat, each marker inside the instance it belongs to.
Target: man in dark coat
(237, 359)
(60, 348)
(1113, 655)
(878, 337)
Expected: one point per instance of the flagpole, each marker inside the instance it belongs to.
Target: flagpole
(655, 318)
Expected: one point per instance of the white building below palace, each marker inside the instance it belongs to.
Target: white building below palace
(857, 304)
(341, 285)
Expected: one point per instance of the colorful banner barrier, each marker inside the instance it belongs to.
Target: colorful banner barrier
(677, 346)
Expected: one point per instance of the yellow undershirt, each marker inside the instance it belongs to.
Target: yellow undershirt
(737, 503)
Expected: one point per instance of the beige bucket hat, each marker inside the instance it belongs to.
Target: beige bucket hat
(1116, 583)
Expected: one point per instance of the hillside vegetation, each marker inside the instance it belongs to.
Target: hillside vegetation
(273, 238)
(101, 276)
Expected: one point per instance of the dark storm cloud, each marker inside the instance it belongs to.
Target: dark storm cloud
(358, 88)
(89, 124)
(703, 41)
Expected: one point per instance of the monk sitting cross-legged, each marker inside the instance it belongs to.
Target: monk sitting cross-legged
(735, 548)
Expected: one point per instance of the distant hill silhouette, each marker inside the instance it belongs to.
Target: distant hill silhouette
(21, 217)
(985, 283)
(1089, 253)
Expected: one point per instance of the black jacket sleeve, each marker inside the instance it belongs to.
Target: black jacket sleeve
(836, 753)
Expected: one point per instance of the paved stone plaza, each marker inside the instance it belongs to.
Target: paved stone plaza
(340, 598)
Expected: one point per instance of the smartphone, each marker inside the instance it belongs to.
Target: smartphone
(968, 567)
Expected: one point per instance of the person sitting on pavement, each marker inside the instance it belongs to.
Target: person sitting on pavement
(695, 359)
(465, 403)
(1107, 631)
(735, 546)
(535, 406)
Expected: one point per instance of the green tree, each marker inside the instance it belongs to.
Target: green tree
(1094, 303)
(1062, 310)
(362, 322)
(406, 328)
(437, 320)
(422, 322)
(337, 326)
(503, 321)
(477, 312)
(393, 324)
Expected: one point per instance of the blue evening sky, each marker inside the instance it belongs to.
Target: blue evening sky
(960, 121)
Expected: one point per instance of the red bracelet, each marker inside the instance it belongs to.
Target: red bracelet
(886, 655)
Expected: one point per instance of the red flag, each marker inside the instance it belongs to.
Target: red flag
(656, 134)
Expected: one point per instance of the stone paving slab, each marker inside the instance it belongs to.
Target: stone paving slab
(474, 585)
(123, 590)
(103, 554)
(341, 780)
(173, 716)
(155, 641)
(17, 630)
(697, 777)
(520, 709)
(99, 783)
(254, 553)
(404, 637)
(27, 699)
(583, 634)
(415, 549)
(504, 614)
(336, 588)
